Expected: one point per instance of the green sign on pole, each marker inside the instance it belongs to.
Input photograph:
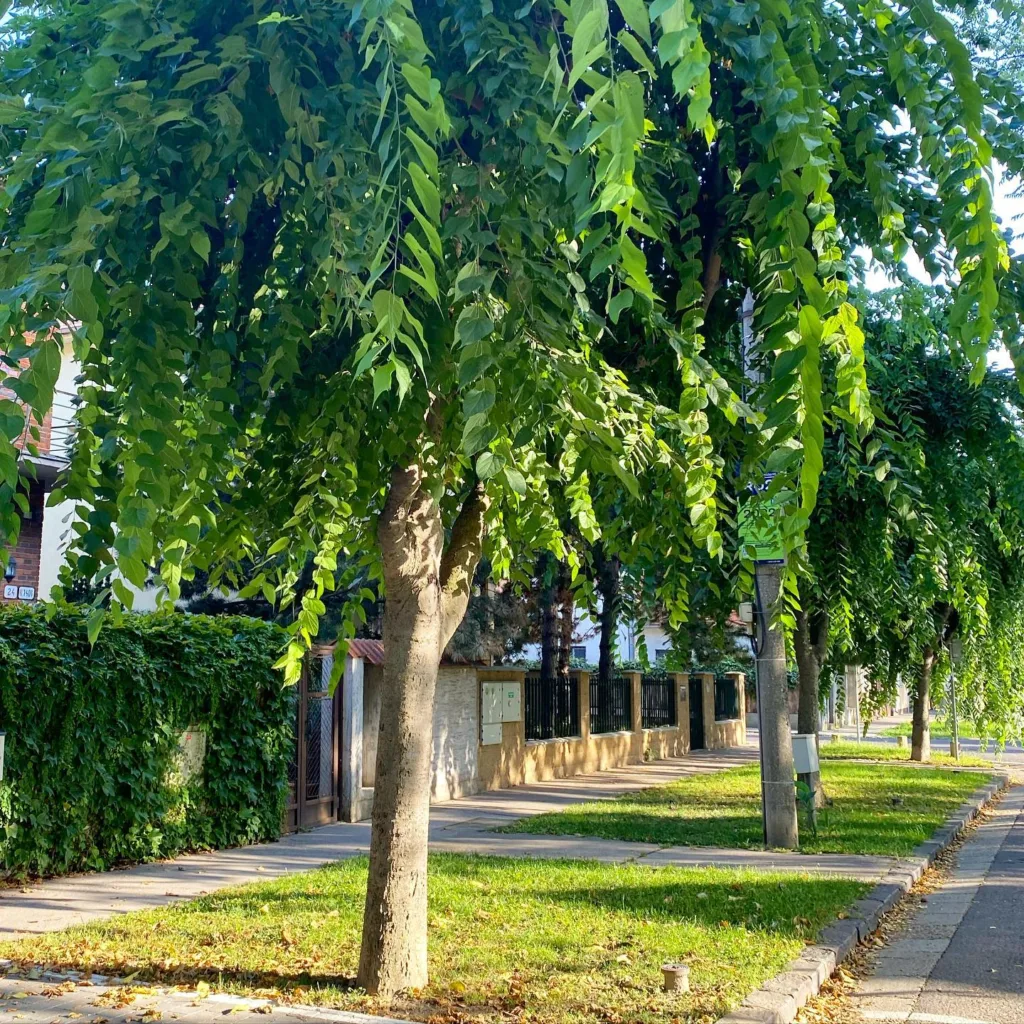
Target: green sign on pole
(758, 523)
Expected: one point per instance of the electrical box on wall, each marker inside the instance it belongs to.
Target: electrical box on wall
(499, 702)
(490, 703)
(512, 704)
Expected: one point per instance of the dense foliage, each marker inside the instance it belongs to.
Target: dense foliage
(91, 776)
(288, 236)
(920, 533)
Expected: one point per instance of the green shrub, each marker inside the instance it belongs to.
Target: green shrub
(91, 776)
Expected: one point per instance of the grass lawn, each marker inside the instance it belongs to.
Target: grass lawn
(546, 941)
(724, 809)
(941, 730)
(845, 750)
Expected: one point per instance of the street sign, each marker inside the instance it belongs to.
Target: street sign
(758, 523)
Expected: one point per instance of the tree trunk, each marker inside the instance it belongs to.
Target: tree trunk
(608, 588)
(426, 593)
(566, 615)
(921, 743)
(548, 621)
(810, 645)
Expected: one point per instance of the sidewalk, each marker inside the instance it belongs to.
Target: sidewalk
(961, 958)
(461, 826)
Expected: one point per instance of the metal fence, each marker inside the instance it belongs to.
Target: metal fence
(727, 699)
(611, 705)
(551, 707)
(658, 704)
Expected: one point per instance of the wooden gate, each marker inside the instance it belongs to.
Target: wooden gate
(313, 775)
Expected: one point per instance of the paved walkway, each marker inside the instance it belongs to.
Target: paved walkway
(55, 1002)
(961, 958)
(463, 826)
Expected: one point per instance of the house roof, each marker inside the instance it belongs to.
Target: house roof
(369, 650)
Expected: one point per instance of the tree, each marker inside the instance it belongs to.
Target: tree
(342, 276)
(949, 556)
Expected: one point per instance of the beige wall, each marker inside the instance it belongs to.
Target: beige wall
(459, 769)
(731, 733)
(515, 761)
(456, 738)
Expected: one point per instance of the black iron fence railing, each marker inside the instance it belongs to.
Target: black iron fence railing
(611, 705)
(658, 705)
(551, 707)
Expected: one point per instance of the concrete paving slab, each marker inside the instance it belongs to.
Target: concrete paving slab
(961, 960)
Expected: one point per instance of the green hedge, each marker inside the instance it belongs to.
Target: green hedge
(91, 770)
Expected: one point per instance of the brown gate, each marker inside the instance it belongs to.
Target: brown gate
(313, 775)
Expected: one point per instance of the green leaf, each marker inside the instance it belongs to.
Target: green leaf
(634, 14)
(489, 464)
(200, 242)
(426, 192)
(204, 73)
(472, 279)
(516, 481)
(479, 399)
(620, 301)
(477, 434)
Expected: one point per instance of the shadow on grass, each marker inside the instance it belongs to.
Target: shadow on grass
(794, 908)
(633, 824)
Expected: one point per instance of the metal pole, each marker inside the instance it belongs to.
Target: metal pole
(777, 773)
(758, 623)
(954, 743)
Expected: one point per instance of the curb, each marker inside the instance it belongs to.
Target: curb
(778, 999)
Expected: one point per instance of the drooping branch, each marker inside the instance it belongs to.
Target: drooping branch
(460, 560)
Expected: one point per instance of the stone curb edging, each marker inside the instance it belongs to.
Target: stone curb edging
(778, 999)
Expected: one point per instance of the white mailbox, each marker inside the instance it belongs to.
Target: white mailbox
(512, 702)
(805, 753)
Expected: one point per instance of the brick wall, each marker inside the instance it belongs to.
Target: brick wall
(26, 553)
(45, 427)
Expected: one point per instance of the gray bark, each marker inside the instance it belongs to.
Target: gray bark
(810, 643)
(426, 592)
(921, 741)
(776, 741)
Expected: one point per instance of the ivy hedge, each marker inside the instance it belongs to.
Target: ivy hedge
(94, 774)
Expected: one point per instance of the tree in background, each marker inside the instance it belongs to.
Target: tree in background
(947, 560)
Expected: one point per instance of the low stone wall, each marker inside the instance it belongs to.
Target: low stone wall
(516, 761)
(463, 763)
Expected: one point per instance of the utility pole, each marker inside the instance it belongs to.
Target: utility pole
(776, 741)
(955, 654)
(778, 789)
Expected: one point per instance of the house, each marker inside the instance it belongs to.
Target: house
(496, 727)
(586, 642)
(33, 563)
